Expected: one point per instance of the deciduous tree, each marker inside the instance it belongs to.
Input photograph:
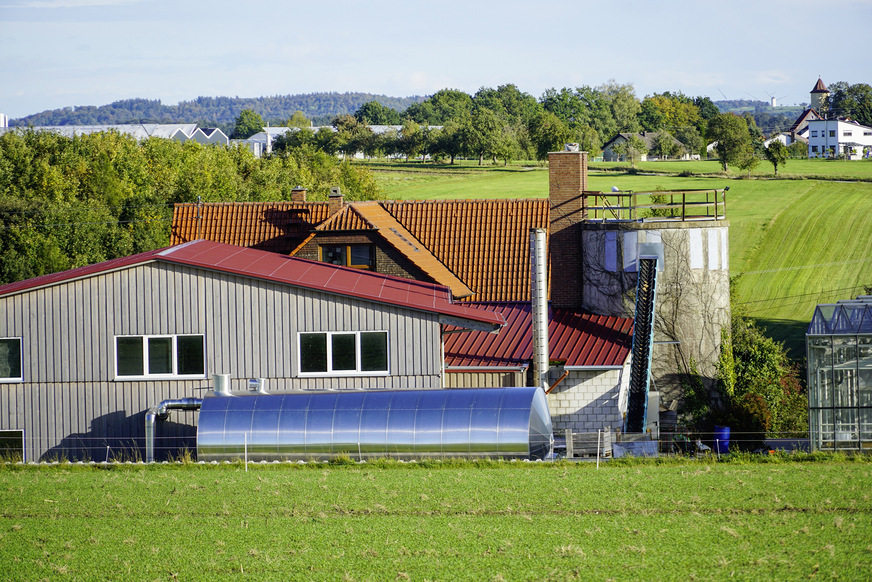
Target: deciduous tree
(777, 154)
(247, 124)
(732, 137)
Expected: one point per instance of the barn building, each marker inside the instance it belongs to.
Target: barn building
(85, 353)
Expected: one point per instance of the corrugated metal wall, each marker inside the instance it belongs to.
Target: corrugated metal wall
(69, 404)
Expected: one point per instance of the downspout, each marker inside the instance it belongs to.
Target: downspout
(539, 296)
(161, 412)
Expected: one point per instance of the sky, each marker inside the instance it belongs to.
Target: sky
(60, 53)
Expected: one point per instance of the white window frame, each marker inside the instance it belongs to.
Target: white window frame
(12, 379)
(358, 355)
(175, 364)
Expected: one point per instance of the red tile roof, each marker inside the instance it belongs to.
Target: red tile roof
(390, 229)
(269, 226)
(486, 243)
(274, 267)
(578, 338)
(483, 243)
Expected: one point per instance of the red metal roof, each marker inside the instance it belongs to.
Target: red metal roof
(579, 338)
(269, 266)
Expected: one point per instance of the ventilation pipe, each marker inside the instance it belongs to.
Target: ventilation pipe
(162, 412)
(539, 293)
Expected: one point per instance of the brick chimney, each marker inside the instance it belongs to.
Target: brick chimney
(335, 200)
(298, 194)
(567, 180)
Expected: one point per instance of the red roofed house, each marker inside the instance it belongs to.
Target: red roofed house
(84, 353)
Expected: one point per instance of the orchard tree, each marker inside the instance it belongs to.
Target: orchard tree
(777, 154)
(691, 139)
(247, 124)
(548, 134)
(631, 149)
(733, 140)
(374, 113)
(298, 119)
(665, 146)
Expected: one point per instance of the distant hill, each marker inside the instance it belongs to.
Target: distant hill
(215, 111)
(769, 119)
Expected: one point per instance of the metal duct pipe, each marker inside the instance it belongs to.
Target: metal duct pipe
(221, 384)
(539, 293)
(161, 412)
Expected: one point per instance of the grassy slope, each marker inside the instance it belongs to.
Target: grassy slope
(492, 521)
(795, 243)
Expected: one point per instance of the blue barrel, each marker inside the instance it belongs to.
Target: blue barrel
(722, 439)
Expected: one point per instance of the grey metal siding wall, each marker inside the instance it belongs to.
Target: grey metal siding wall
(471, 379)
(69, 404)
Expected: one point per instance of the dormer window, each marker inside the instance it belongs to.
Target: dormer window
(358, 256)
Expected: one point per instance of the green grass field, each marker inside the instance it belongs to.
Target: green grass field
(794, 242)
(681, 520)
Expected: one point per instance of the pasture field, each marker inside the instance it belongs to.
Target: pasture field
(682, 520)
(794, 243)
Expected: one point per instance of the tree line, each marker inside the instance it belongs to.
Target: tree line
(217, 112)
(67, 202)
(506, 124)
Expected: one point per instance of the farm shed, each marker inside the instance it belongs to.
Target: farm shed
(839, 344)
(84, 353)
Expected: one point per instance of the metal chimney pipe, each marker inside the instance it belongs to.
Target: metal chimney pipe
(539, 296)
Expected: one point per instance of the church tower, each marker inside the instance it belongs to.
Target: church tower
(818, 96)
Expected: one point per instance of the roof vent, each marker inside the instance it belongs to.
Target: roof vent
(571, 147)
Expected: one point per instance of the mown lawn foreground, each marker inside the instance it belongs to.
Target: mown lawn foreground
(687, 520)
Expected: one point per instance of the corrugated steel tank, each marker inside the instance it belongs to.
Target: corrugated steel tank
(406, 424)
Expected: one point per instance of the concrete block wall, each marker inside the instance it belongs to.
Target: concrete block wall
(586, 401)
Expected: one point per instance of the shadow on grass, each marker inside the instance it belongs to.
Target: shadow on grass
(788, 331)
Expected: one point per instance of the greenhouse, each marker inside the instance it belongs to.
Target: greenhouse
(839, 342)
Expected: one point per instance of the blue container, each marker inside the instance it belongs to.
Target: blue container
(722, 440)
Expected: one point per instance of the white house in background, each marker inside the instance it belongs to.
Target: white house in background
(648, 138)
(834, 137)
(786, 138)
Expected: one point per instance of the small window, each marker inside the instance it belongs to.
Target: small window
(814, 134)
(359, 256)
(10, 359)
(344, 353)
(832, 133)
(847, 133)
(165, 356)
(867, 132)
(12, 445)
(814, 148)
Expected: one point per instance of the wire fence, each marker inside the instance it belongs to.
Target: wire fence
(600, 444)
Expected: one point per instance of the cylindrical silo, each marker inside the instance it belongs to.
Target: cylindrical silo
(693, 295)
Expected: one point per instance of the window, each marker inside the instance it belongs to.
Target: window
(832, 133)
(164, 356)
(10, 359)
(847, 133)
(867, 132)
(356, 352)
(359, 256)
(814, 148)
(814, 134)
(12, 444)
